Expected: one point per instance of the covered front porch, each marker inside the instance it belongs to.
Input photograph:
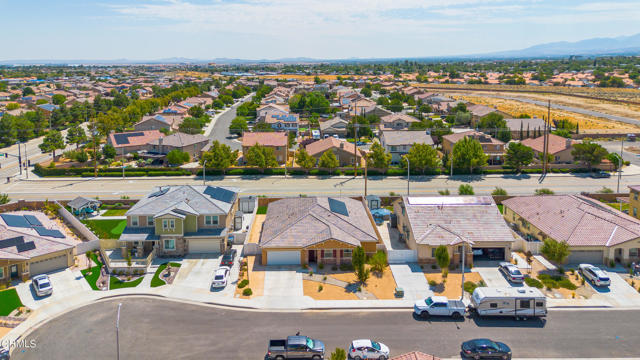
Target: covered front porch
(329, 252)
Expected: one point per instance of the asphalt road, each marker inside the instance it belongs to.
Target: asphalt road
(318, 186)
(160, 329)
(220, 130)
(614, 146)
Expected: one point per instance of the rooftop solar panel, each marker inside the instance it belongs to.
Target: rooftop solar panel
(15, 220)
(11, 242)
(338, 207)
(31, 219)
(123, 139)
(26, 246)
(220, 194)
(48, 232)
(162, 191)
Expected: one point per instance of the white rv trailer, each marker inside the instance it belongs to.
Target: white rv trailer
(521, 302)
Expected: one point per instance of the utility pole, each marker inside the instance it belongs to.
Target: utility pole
(408, 173)
(118, 332)
(26, 160)
(620, 165)
(122, 163)
(355, 141)
(20, 157)
(463, 256)
(547, 131)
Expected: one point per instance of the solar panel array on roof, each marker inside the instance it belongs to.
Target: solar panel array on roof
(15, 220)
(19, 243)
(49, 232)
(338, 207)
(220, 194)
(123, 139)
(33, 220)
(162, 191)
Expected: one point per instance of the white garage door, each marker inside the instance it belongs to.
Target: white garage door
(204, 246)
(585, 256)
(283, 257)
(45, 266)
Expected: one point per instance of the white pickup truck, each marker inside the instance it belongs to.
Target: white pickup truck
(439, 306)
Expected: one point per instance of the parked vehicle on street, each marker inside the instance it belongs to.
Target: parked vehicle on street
(439, 306)
(517, 302)
(485, 349)
(511, 271)
(220, 277)
(295, 347)
(42, 285)
(594, 274)
(600, 174)
(228, 257)
(367, 349)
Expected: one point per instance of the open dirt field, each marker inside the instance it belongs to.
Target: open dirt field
(452, 288)
(329, 292)
(383, 286)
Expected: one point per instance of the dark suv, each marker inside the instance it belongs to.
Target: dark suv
(228, 258)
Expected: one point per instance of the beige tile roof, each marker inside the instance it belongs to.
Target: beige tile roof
(302, 222)
(264, 138)
(556, 143)
(578, 220)
(455, 137)
(320, 146)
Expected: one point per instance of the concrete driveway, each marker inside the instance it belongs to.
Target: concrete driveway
(493, 277)
(65, 283)
(618, 294)
(283, 286)
(412, 280)
(197, 271)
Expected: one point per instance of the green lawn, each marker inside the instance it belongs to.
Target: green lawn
(615, 205)
(106, 229)
(262, 210)
(92, 278)
(115, 283)
(156, 281)
(500, 207)
(115, 212)
(9, 301)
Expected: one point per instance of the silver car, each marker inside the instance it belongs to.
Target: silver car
(594, 274)
(220, 277)
(42, 285)
(511, 272)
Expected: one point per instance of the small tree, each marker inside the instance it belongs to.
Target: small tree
(328, 160)
(465, 189)
(544, 191)
(358, 259)
(518, 155)
(261, 156)
(442, 257)
(338, 354)
(52, 142)
(304, 160)
(529, 257)
(468, 153)
(177, 157)
(378, 261)
(421, 157)
(219, 157)
(4, 199)
(378, 157)
(589, 153)
(556, 251)
(499, 191)
(76, 135)
(108, 151)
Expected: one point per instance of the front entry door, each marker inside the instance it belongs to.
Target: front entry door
(14, 271)
(312, 256)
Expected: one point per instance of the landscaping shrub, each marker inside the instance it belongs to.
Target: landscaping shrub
(469, 286)
(243, 283)
(320, 288)
(432, 283)
(533, 282)
(262, 210)
(247, 292)
(567, 284)
(346, 267)
(321, 266)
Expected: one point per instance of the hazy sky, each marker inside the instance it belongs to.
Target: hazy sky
(270, 29)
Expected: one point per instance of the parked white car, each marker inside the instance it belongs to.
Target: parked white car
(42, 285)
(597, 276)
(511, 271)
(220, 277)
(368, 349)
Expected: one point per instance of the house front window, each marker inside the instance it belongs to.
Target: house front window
(346, 253)
(433, 252)
(211, 220)
(634, 252)
(168, 224)
(1, 273)
(134, 221)
(327, 254)
(635, 196)
(170, 244)
(635, 212)
(149, 220)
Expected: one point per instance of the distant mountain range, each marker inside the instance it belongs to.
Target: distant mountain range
(623, 45)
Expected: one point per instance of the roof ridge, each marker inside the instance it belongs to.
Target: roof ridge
(341, 219)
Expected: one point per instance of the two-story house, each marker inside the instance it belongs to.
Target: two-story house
(180, 220)
(399, 142)
(397, 122)
(278, 141)
(492, 147)
(282, 122)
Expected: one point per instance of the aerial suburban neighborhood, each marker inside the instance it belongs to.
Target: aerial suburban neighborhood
(387, 204)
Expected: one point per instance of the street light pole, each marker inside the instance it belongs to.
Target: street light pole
(26, 160)
(408, 173)
(20, 157)
(118, 332)
(620, 164)
(463, 256)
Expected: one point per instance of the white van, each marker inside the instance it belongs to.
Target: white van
(517, 302)
(315, 134)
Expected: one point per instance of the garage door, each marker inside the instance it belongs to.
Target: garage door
(204, 246)
(283, 258)
(45, 266)
(488, 253)
(586, 256)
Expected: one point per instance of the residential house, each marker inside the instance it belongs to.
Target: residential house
(559, 147)
(344, 151)
(399, 142)
(334, 126)
(278, 141)
(478, 111)
(397, 121)
(634, 203)
(158, 121)
(81, 205)
(192, 144)
(595, 232)
(32, 244)
(127, 142)
(316, 230)
(492, 147)
(47, 109)
(263, 110)
(524, 127)
(282, 122)
(472, 222)
(180, 220)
